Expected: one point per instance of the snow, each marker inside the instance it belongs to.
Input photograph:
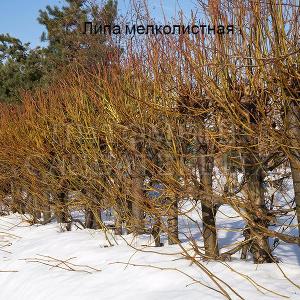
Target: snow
(124, 272)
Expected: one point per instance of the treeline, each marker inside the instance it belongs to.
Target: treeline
(26, 68)
(174, 124)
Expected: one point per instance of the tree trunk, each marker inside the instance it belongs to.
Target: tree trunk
(137, 218)
(92, 218)
(210, 231)
(173, 223)
(47, 214)
(18, 205)
(119, 212)
(205, 167)
(255, 194)
(62, 213)
(118, 225)
(257, 212)
(36, 212)
(137, 213)
(156, 230)
(205, 163)
(294, 137)
(89, 219)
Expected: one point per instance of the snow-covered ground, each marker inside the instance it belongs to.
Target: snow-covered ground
(121, 272)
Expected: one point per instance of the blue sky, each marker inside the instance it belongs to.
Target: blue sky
(19, 17)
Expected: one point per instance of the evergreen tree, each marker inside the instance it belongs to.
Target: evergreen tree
(20, 67)
(64, 31)
(25, 68)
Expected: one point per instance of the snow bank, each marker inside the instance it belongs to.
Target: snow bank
(21, 246)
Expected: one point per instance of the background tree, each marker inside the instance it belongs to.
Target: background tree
(23, 68)
(20, 67)
(64, 32)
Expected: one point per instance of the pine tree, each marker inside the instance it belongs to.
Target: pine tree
(64, 32)
(23, 68)
(20, 67)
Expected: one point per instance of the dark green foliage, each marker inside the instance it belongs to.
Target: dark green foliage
(64, 31)
(22, 68)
